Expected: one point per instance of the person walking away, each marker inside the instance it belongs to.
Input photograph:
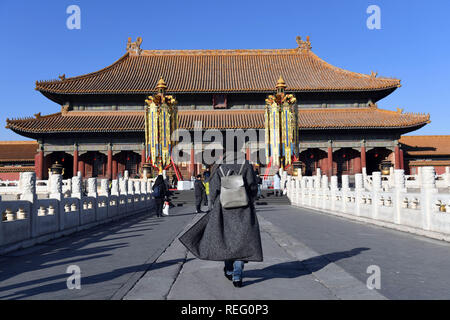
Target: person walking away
(277, 184)
(159, 194)
(206, 174)
(229, 234)
(199, 192)
(206, 184)
(174, 181)
(259, 181)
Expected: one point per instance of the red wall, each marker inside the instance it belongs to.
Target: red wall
(9, 175)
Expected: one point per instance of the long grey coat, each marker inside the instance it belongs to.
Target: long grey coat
(227, 234)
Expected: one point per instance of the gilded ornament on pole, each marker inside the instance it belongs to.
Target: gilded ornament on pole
(160, 123)
(281, 126)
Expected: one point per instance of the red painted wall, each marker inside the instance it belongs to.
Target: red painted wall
(9, 175)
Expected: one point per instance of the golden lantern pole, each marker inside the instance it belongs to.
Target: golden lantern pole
(161, 122)
(281, 125)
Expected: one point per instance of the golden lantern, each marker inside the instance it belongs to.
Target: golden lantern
(160, 123)
(281, 126)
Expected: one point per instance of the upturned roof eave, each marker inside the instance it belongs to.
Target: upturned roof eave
(33, 134)
(267, 90)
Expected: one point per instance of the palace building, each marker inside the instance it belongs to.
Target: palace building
(99, 129)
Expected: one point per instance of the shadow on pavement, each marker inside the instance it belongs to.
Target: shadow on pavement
(89, 280)
(81, 246)
(181, 214)
(294, 269)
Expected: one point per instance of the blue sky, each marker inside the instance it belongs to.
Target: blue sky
(412, 45)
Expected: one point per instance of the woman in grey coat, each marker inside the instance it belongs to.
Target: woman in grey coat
(229, 235)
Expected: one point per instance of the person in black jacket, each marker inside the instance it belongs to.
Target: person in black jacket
(199, 192)
(159, 193)
(229, 235)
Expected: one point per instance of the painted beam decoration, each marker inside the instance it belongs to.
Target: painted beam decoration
(160, 122)
(281, 126)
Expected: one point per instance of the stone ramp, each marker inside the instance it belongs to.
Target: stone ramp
(111, 257)
(290, 270)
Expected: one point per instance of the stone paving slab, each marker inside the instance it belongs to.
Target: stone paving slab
(112, 258)
(158, 280)
(290, 270)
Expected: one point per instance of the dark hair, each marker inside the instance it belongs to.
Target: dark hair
(199, 176)
(159, 180)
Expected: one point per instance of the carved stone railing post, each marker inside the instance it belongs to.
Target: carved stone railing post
(377, 188)
(297, 190)
(334, 190)
(359, 188)
(130, 187)
(390, 178)
(28, 186)
(400, 188)
(104, 187)
(376, 181)
(55, 186)
(303, 190)
(359, 185)
(324, 182)
(324, 202)
(345, 183)
(309, 189)
(123, 187)
(137, 187)
(144, 186)
(149, 186)
(115, 187)
(317, 180)
(428, 188)
(69, 187)
(345, 189)
(92, 187)
(76, 187)
(419, 176)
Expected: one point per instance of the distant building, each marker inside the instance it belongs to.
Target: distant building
(426, 151)
(100, 128)
(16, 157)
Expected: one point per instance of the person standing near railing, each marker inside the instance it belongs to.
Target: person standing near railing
(277, 184)
(159, 193)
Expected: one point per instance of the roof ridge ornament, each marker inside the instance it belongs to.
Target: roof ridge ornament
(65, 109)
(281, 85)
(303, 45)
(161, 86)
(134, 47)
(372, 105)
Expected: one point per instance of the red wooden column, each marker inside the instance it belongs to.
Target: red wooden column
(81, 167)
(109, 164)
(39, 164)
(330, 161)
(363, 157)
(75, 162)
(402, 163)
(143, 160)
(191, 164)
(114, 168)
(357, 164)
(396, 157)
